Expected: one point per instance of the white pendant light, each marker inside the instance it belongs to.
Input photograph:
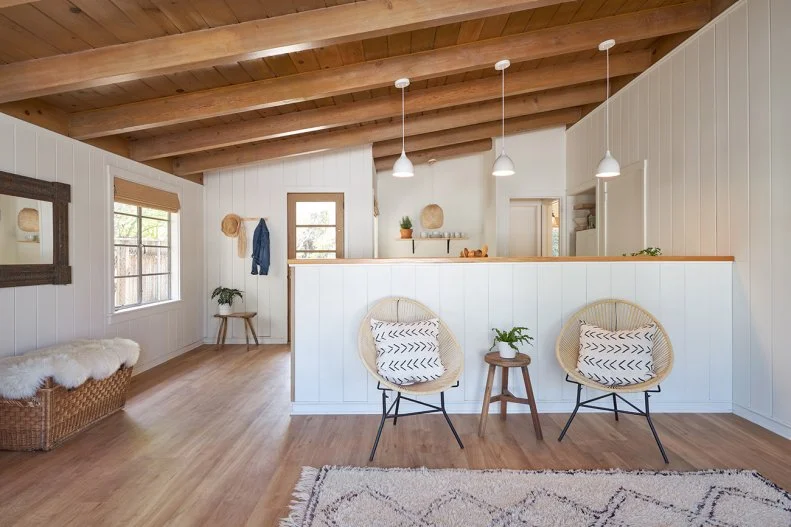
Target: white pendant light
(403, 166)
(608, 166)
(503, 166)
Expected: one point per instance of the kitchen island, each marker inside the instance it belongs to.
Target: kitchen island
(690, 296)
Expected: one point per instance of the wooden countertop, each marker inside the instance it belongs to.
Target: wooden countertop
(458, 260)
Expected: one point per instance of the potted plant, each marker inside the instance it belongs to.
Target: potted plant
(225, 296)
(406, 228)
(506, 341)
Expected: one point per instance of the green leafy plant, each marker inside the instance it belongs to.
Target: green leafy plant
(406, 222)
(512, 337)
(225, 295)
(649, 251)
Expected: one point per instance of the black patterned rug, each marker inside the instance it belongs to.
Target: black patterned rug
(352, 496)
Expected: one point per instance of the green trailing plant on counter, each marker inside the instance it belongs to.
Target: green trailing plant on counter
(225, 295)
(406, 222)
(648, 251)
(512, 337)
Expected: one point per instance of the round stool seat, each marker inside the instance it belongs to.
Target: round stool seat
(517, 362)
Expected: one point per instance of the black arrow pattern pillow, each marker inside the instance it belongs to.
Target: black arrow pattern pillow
(408, 352)
(616, 358)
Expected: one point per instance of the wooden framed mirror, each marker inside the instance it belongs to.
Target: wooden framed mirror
(34, 231)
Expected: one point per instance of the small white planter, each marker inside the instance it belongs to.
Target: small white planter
(506, 351)
(225, 309)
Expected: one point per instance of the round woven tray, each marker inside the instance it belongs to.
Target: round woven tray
(432, 217)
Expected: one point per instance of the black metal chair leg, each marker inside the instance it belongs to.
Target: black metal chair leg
(381, 425)
(573, 414)
(398, 402)
(653, 430)
(615, 405)
(452, 429)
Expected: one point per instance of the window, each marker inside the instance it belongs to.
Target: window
(315, 226)
(142, 255)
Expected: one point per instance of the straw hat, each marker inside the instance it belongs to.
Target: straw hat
(233, 227)
(431, 217)
(27, 220)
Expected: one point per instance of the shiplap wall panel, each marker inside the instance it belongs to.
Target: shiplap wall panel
(38, 316)
(261, 191)
(719, 126)
(690, 299)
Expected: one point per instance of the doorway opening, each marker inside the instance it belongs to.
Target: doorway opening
(534, 227)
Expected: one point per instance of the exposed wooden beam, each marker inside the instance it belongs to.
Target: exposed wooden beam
(275, 126)
(543, 43)
(9, 3)
(474, 132)
(244, 41)
(442, 152)
(371, 133)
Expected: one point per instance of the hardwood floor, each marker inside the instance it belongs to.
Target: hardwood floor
(206, 439)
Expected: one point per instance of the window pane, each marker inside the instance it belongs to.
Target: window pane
(155, 232)
(154, 213)
(315, 256)
(315, 213)
(125, 230)
(126, 261)
(156, 288)
(155, 260)
(123, 207)
(126, 291)
(315, 238)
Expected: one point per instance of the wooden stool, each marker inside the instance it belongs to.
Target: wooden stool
(520, 361)
(247, 325)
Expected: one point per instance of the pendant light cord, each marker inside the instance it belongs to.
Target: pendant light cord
(502, 98)
(608, 99)
(403, 128)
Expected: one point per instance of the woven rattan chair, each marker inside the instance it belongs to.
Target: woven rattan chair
(614, 315)
(397, 309)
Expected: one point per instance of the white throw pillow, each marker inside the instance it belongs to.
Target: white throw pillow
(407, 352)
(616, 358)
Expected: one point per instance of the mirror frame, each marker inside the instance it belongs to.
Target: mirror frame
(59, 194)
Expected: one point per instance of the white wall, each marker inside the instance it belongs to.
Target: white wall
(457, 185)
(540, 160)
(692, 299)
(261, 190)
(713, 119)
(37, 316)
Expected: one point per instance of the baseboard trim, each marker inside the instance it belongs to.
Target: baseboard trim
(140, 367)
(763, 421)
(261, 340)
(472, 407)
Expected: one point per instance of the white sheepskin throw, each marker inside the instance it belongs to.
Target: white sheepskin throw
(69, 365)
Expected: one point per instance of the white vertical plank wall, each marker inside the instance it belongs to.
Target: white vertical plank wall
(719, 166)
(692, 300)
(38, 316)
(261, 190)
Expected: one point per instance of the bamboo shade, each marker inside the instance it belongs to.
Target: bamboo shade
(144, 196)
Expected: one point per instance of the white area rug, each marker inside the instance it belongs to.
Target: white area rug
(351, 496)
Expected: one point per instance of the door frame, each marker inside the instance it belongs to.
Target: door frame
(545, 213)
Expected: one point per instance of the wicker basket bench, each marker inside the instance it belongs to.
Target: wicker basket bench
(55, 413)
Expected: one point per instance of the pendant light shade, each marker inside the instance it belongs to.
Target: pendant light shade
(403, 166)
(608, 166)
(503, 166)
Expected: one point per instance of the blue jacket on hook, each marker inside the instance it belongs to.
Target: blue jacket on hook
(261, 249)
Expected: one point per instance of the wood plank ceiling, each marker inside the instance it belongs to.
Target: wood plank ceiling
(189, 112)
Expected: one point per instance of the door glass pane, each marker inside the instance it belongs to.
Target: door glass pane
(125, 263)
(126, 291)
(155, 232)
(156, 288)
(315, 238)
(155, 260)
(154, 213)
(125, 229)
(315, 213)
(316, 256)
(123, 207)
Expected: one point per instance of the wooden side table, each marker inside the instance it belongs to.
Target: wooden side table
(521, 361)
(248, 324)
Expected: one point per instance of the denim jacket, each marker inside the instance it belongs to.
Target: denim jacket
(261, 249)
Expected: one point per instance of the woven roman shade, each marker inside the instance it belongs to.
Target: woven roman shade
(144, 196)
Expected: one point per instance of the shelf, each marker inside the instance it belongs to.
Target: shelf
(27, 241)
(447, 240)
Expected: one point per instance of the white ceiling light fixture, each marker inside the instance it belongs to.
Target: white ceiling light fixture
(403, 166)
(503, 166)
(608, 166)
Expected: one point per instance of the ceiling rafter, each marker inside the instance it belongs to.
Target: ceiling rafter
(438, 154)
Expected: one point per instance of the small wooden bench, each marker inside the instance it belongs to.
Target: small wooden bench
(248, 325)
